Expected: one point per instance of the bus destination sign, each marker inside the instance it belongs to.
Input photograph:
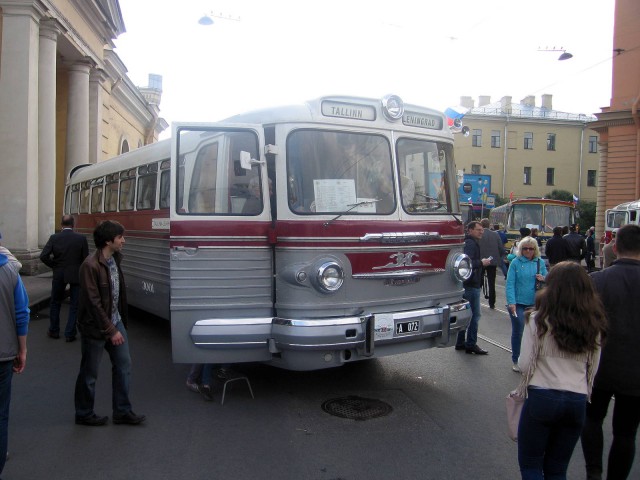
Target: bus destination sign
(351, 111)
(421, 120)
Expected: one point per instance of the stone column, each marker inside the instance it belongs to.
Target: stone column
(19, 128)
(49, 31)
(96, 78)
(78, 116)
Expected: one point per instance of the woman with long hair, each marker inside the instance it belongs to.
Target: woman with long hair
(559, 357)
(524, 270)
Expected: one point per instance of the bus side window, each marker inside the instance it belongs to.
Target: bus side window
(127, 193)
(75, 194)
(111, 197)
(165, 186)
(147, 192)
(85, 194)
(96, 199)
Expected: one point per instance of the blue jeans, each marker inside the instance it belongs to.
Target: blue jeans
(549, 429)
(6, 374)
(626, 418)
(472, 295)
(120, 374)
(504, 267)
(58, 287)
(517, 327)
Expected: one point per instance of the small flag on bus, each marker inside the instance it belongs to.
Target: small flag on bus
(455, 113)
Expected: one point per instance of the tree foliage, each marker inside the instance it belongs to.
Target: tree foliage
(587, 212)
(563, 195)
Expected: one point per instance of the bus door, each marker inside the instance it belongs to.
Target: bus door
(221, 262)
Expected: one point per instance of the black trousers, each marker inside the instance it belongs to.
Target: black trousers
(490, 272)
(626, 418)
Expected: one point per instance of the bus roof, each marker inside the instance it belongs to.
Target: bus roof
(344, 110)
(331, 110)
(132, 159)
(635, 205)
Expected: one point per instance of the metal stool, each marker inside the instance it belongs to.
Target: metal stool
(232, 378)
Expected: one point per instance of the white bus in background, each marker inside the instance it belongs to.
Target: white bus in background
(620, 215)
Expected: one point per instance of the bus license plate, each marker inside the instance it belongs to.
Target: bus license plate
(403, 328)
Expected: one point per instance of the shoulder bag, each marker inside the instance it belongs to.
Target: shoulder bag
(539, 283)
(515, 399)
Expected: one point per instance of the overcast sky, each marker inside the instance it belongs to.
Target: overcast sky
(430, 53)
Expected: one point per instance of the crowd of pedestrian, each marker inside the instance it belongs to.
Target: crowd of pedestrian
(573, 340)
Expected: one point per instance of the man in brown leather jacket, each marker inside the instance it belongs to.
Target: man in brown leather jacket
(102, 314)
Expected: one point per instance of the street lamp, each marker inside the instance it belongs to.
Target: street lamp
(563, 56)
(207, 19)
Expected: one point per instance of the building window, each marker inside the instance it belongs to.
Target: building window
(527, 176)
(593, 144)
(591, 178)
(550, 176)
(528, 140)
(124, 146)
(512, 140)
(476, 141)
(551, 141)
(475, 169)
(495, 138)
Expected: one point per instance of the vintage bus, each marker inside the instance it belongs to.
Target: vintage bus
(541, 213)
(304, 237)
(620, 215)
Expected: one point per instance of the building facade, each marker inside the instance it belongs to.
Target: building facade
(619, 124)
(528, 150)
(65, 100)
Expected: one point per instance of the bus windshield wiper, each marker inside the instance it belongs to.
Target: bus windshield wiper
(351, 207)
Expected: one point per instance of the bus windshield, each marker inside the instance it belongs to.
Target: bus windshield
(555, 215)
(338, 172)
(526, 215)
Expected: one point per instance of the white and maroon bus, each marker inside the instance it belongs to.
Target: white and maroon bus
(616, 217)
(304, 237)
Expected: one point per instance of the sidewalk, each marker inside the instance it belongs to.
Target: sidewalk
(39, 290)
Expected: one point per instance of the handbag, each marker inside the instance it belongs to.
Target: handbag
(515, 399)
(539, 283)
(515, 402)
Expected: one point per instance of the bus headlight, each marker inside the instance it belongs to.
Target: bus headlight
(330, 276)
(462, 267)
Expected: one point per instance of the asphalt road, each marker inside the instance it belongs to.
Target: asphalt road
(447, 421)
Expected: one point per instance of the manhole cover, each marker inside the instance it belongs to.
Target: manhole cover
(356, 408)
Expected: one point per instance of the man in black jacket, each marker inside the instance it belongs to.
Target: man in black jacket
(64, 253)
(472, 289)
(618, 373)
(576, 246)
(556, 247)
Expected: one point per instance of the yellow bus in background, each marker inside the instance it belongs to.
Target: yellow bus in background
(541, 213)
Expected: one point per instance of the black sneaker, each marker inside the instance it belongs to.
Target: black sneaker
(128, 418)
(92, 420)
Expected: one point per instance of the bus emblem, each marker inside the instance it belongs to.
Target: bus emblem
(403, 260)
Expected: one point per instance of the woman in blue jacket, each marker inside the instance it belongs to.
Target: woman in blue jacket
(524, 270)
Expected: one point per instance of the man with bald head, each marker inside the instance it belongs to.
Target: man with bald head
(64, 253)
